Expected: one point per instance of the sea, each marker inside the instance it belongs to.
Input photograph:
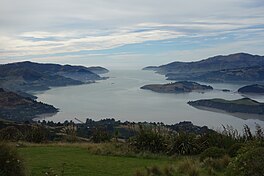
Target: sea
(121, 98)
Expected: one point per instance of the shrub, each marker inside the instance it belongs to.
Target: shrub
(70, 132)
(155, 171)
(169, 171)
(149, 139)
(212, 152)
(224, 161)
(219, 164)
(189, 167)
(248, 163)
(100, 135)
(215, 139)
(233, 150)
(183, 143)
(10, 133)
(36, 134)
(10, 162)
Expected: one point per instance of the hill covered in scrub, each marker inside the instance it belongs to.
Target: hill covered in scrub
(18, 108)
(30, 76)
(231, 68)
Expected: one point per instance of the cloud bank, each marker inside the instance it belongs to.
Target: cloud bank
(102, 32)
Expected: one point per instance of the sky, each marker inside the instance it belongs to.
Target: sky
(128, 34)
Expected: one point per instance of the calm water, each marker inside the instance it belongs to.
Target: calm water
(120, 97)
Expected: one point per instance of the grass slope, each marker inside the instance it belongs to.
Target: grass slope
(78, 161)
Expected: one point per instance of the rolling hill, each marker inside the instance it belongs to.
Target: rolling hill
(30, 76)
(18, 108)
(230, 68)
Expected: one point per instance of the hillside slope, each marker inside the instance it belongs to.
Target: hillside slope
(17, 108)
(30, 76)
(238, 60)
(230, 68)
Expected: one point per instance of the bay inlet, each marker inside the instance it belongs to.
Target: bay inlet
(120, 97)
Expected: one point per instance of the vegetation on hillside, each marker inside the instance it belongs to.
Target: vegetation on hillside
(18, 108)
(187, 152)
(238, 67)
(30, 76)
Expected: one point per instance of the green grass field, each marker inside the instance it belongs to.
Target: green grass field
(79, 162)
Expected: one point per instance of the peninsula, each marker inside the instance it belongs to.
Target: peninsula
(238, 67)
(252, 89)
(30, 76)
(18, 108)
(244, 105)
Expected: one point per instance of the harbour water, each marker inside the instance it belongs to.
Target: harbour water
(120, 97)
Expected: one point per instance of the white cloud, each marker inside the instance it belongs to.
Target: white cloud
(72, 43)
(33, 27)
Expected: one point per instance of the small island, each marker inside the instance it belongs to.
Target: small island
(252, 89)
(177, 87)
(15, 107)
(244, 105)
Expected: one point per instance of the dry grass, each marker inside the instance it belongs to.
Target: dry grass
(189, 167)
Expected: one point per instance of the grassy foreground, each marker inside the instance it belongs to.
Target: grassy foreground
(78, 161)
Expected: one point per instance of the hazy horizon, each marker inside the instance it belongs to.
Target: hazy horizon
(128, 34)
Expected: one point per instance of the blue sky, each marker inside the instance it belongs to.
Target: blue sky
(122, 34)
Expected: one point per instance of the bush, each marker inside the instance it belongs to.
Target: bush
(212, 152)
(36, 134)
(10, 162)
(215, 139)
(70, 133)
(10, 133)
(156, 171)
(183, 143)
(189, 167)
(219, 164)
(100, 135)
(149, 139)
(233, 150)
(248, 163)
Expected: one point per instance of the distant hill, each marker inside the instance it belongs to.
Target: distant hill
(98, 70)
(50, 68)
(28, 76)
(253, 89)
(233, 67)
(247, 74)
(18, 108)
(244, 105)
(177, 87)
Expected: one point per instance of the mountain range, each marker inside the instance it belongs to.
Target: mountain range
(30, 76)
(229, 68)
